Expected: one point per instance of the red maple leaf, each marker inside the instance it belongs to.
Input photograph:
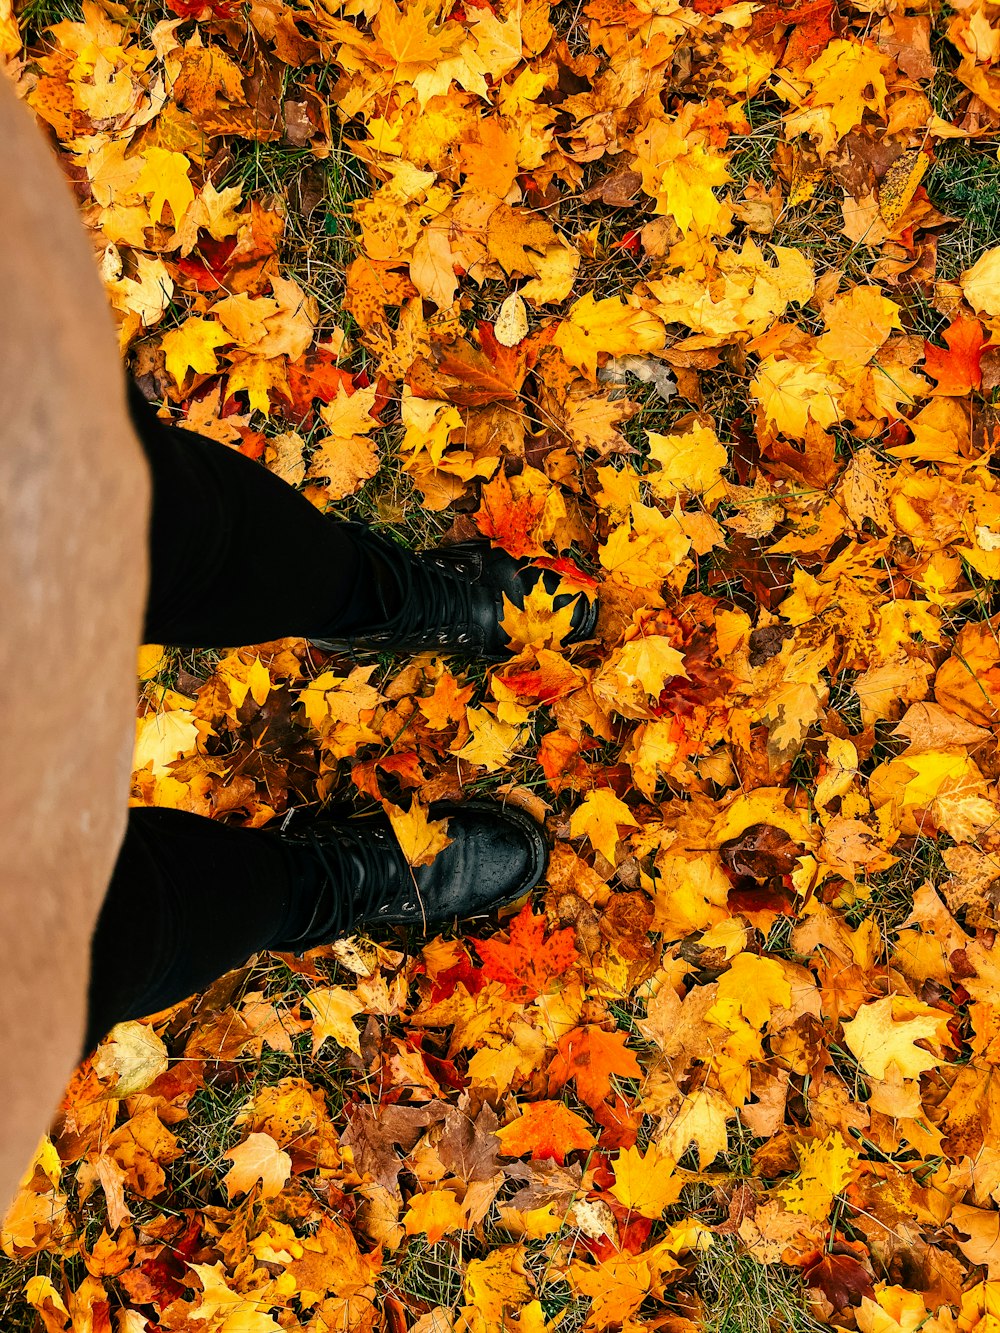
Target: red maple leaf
(204, 10)
(207, 269)
(317, 374)
(529, 963)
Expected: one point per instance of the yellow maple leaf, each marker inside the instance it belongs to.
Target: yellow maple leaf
(432, 268)
(213, 211)
(227, 1308)
(420, 838)
(701, 1120)
(257, 1158)
(334, 1008)
(147, 295)
(494, 1286)
(981, 283)
(904, 1310)
(291, 328)
(610, 326)
(689, 463)
(678, 172)
(259, 682)
(160, 738)
(539, 1223)
(40, 1292)
(537, 624)
(433, 1215)
(193, 347)
(258, 376)
(647, 549)
(346, 462)
(756, 985)
(645, 1182)
(884, 1033)
(637, 673)
(599, 818)
(411, 39)
(492, 742)
(655, 750)
(284, 456)
(153, 659)
(389, 228)
(947, 783)
(114, 178)
(714, 305)
(848, 77)
(858, 323)
(766, 805)
(498, 41)
(10, 36)
(793, 393)
(165, 177)
(556, 267)
(620, 1283)
(333, 698)
(429, 424)
(245, 317)
(112, 92)
(983, 1245)
(133, 1055)
(826, 1166)
(350, 413)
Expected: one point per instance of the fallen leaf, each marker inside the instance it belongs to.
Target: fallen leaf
(334, 1007)
(545, 1129)
(257, 1158)
(421, 839)
(529, 964)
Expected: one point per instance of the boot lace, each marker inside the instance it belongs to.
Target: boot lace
(357, 882)
(438, 606)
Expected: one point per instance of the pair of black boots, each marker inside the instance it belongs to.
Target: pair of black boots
(449, 600)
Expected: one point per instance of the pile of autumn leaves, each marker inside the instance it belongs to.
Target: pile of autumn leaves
(792, 695)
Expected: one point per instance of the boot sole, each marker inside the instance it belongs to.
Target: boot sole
(356, 652)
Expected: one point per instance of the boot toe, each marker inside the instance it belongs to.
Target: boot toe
(497, 853)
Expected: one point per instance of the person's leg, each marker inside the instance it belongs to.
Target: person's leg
(237, 556)
(191, 898)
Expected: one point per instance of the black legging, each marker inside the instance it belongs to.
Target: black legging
(236, 557)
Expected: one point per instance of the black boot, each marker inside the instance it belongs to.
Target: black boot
(450, 599)
(496, 855)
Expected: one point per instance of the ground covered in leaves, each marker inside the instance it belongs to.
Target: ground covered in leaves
(697, 297)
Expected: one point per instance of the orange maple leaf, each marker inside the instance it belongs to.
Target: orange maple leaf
(528, 964)
(472, 376)
(590, 1055)
(545, 1129)
(509, 523)
(446, 705)
(958, 369)
(538, 676)
(433, 1214)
